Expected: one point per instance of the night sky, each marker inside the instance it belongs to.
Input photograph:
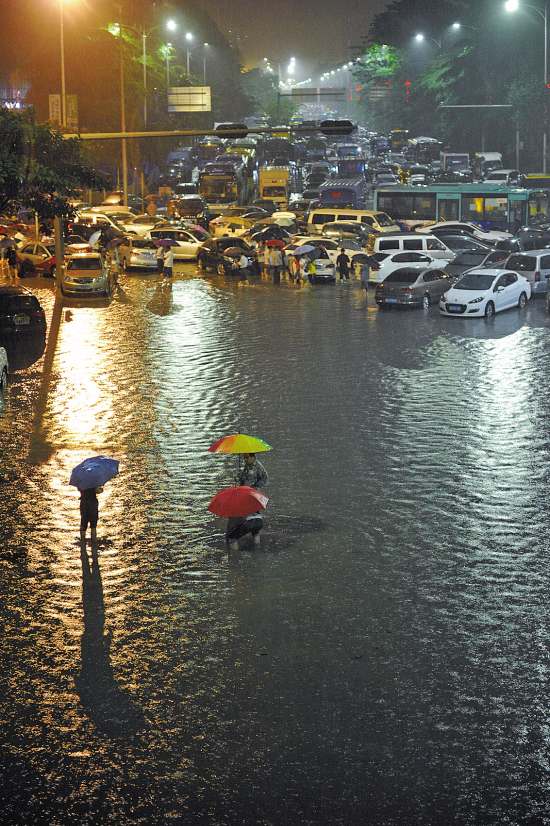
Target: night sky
(312, 31)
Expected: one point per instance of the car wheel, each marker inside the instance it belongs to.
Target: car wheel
(489, 309)
(425, 302)
(522, 301)
(52, 272)
(220, 269)
(4, 379)
(202, 263)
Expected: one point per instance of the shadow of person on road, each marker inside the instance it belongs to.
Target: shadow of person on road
(109, 708)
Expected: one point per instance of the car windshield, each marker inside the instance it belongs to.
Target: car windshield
(383, 220)
(522, 263)
(85, 264)
(469, 258)
(474, 281)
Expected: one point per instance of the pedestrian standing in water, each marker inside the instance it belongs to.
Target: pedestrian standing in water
(168, 262)
(89, 511)
(276, 260)
(342, 264)
(11, 256)
(160, 259)
(255, 476)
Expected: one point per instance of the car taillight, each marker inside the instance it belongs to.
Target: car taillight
(375, 267)
(537, 275)
(406, 290)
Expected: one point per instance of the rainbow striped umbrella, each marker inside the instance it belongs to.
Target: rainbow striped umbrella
(239, 443)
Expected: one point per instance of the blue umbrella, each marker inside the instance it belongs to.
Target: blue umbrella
(93, 472)
(305, 248)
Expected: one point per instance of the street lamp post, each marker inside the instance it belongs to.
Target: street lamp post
(63, 95)
(514, 5)
(144, 34)
(421, 37)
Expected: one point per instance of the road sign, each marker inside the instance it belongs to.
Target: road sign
(189, 99)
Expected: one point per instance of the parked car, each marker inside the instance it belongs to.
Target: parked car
(361, 233)
(451, 227)
(20, 312)
(101, 219)
(511, 245)
(188, 239)
(195, 208)
(387, 263)
(141, 224)
(413, 286)
(231, 226)
(265, 203)
(468, 259)
(331, 245)
(211, 254)
(534, 266)
(463, 241)
(485, 292)
(36, 258)
(138, 252)
(4, 368)
(325, 268)
(117, 199)
(88, 274)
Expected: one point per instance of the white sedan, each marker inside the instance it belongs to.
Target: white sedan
(141, 224)
(389, 263)
(485, 292)
(487, 235)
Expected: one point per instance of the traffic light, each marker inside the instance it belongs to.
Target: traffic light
(407, 90)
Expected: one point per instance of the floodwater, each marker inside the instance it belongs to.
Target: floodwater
(382, 658)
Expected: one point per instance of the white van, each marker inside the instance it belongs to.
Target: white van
(412, 241)
(327, 215)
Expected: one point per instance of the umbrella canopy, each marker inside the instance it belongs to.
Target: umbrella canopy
(115, 242)
(8, 242)
(303, 250)
(240, 500)
(231, 251)
(166, 242)
(94, 238)
(363, 258)
(93, 472)
(275, 242)
(239, 443)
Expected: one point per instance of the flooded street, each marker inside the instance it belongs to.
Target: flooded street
(382, 658)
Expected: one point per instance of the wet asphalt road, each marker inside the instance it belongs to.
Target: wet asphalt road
(382, 658)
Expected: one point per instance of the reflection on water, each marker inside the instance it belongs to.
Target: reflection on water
(382, 658)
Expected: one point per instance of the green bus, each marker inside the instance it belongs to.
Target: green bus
(492, 207)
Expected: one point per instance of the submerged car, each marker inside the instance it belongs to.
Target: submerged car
(212, 254)
(20, 312)
(36, 258)
(88, 274)
(485, 292)
(139, 252)
(412, 287)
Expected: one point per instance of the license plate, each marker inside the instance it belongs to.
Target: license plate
(390, 300)
(21, 319)
(454, 308)
(149, 255)
(84, 287)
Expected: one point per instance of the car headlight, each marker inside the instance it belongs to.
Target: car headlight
(476, 300)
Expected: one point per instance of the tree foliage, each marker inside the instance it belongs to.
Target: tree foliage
(39, 169)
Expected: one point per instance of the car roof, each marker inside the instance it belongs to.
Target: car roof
(15, 290)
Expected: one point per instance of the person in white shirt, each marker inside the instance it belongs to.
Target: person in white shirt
(168, 262)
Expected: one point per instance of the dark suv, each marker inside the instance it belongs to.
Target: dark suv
(20, 312)
(212, 254)
(194, 207)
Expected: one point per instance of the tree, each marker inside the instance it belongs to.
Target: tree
(39, 169)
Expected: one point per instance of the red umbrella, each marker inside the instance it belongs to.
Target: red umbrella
(275, 243)
(240, 500)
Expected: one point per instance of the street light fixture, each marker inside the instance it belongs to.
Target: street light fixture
(514, 5)
(421, 37)
(144, 34)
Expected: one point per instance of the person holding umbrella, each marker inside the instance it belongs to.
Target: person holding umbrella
(89, 477)
(168, 262)
(253, 473)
